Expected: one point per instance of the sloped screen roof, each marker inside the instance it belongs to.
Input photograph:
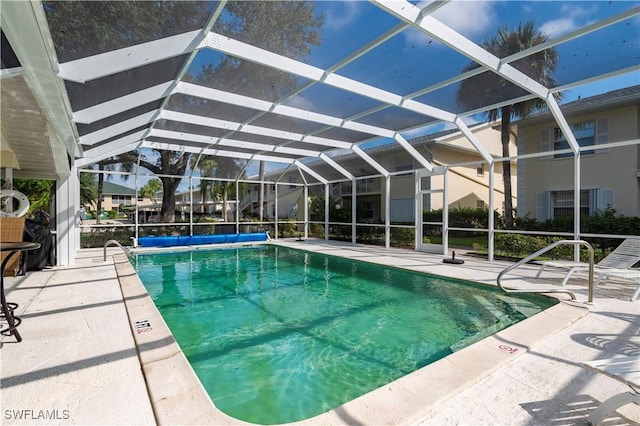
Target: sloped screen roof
(284, 81)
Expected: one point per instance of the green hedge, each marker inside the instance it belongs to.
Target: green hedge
(520, 246)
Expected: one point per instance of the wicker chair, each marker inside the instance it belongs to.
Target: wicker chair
(11, 231)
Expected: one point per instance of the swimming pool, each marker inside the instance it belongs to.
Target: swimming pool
(277, 335)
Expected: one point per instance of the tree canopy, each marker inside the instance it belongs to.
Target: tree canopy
(151, 188)
(88, 188)
(490, 88)
(84, 27)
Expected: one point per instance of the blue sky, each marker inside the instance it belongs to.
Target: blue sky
(412, 60)
(478, 21)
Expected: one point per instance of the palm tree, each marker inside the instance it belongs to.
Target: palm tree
(39, 192)
(88, 188)
(221, 167)
(489, 88)
(206, 165)
(228, 168)
(150, 189)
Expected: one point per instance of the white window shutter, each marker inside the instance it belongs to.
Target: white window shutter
(600, 200)
(594, 201)
(402, 210)
(602, 132)
(546, 142)
(606, 199)
(542, 206)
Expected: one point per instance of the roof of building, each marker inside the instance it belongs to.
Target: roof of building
(616, 98)
(115, 189)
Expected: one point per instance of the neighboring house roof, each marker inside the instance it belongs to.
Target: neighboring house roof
(110, 188)
(391, 146)
(615, 98)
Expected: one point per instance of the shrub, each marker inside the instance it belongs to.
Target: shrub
(602, 222)
(316, 230)
(518, 245)
(98, 237)
(287, 228)
(369, 234)
(402, 237)
(464, 217)
(521, 246)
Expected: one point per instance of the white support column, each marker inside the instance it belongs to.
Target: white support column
(237, 207)
(275, 206)
(67, 229)
(492, 225)
(387, 211)
(137, 213)
(191, 204)
(354, 193)
(576, 204)
(417, 220)
(326, 212)
(445, 212)
(8, 175)
(306, 211)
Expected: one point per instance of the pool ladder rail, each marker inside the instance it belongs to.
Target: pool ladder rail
(116, 243)
(542, 251)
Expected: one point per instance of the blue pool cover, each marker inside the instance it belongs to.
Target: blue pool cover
(192, 240)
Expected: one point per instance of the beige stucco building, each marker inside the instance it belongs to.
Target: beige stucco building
(609, 177)
(118, 197)
(468, 178)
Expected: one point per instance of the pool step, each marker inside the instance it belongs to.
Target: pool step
(502, 321)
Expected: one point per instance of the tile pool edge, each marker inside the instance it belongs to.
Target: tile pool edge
(175, 392)
(177, 396)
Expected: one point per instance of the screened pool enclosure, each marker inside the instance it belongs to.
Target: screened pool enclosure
(367, 122)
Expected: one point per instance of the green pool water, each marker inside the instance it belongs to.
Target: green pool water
(278, 335)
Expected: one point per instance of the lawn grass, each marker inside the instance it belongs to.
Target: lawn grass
(461, 242)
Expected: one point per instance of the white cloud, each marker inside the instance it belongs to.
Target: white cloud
(428, 130)
(574, 17)
(342, 14)
(301, 102)
(558, 27)
(469, 18)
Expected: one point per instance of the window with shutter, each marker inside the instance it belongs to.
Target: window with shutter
(584, 132)
(542, 206)
(546, 144)
(552, 204)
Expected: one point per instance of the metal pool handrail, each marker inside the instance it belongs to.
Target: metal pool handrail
(542, 251)
(114, 243)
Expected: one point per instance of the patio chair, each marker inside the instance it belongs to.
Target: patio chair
(631, 274)
(616, 264)
(11, 231)
(625, 369)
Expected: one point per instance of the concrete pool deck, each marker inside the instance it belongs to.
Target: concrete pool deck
(79, 363)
